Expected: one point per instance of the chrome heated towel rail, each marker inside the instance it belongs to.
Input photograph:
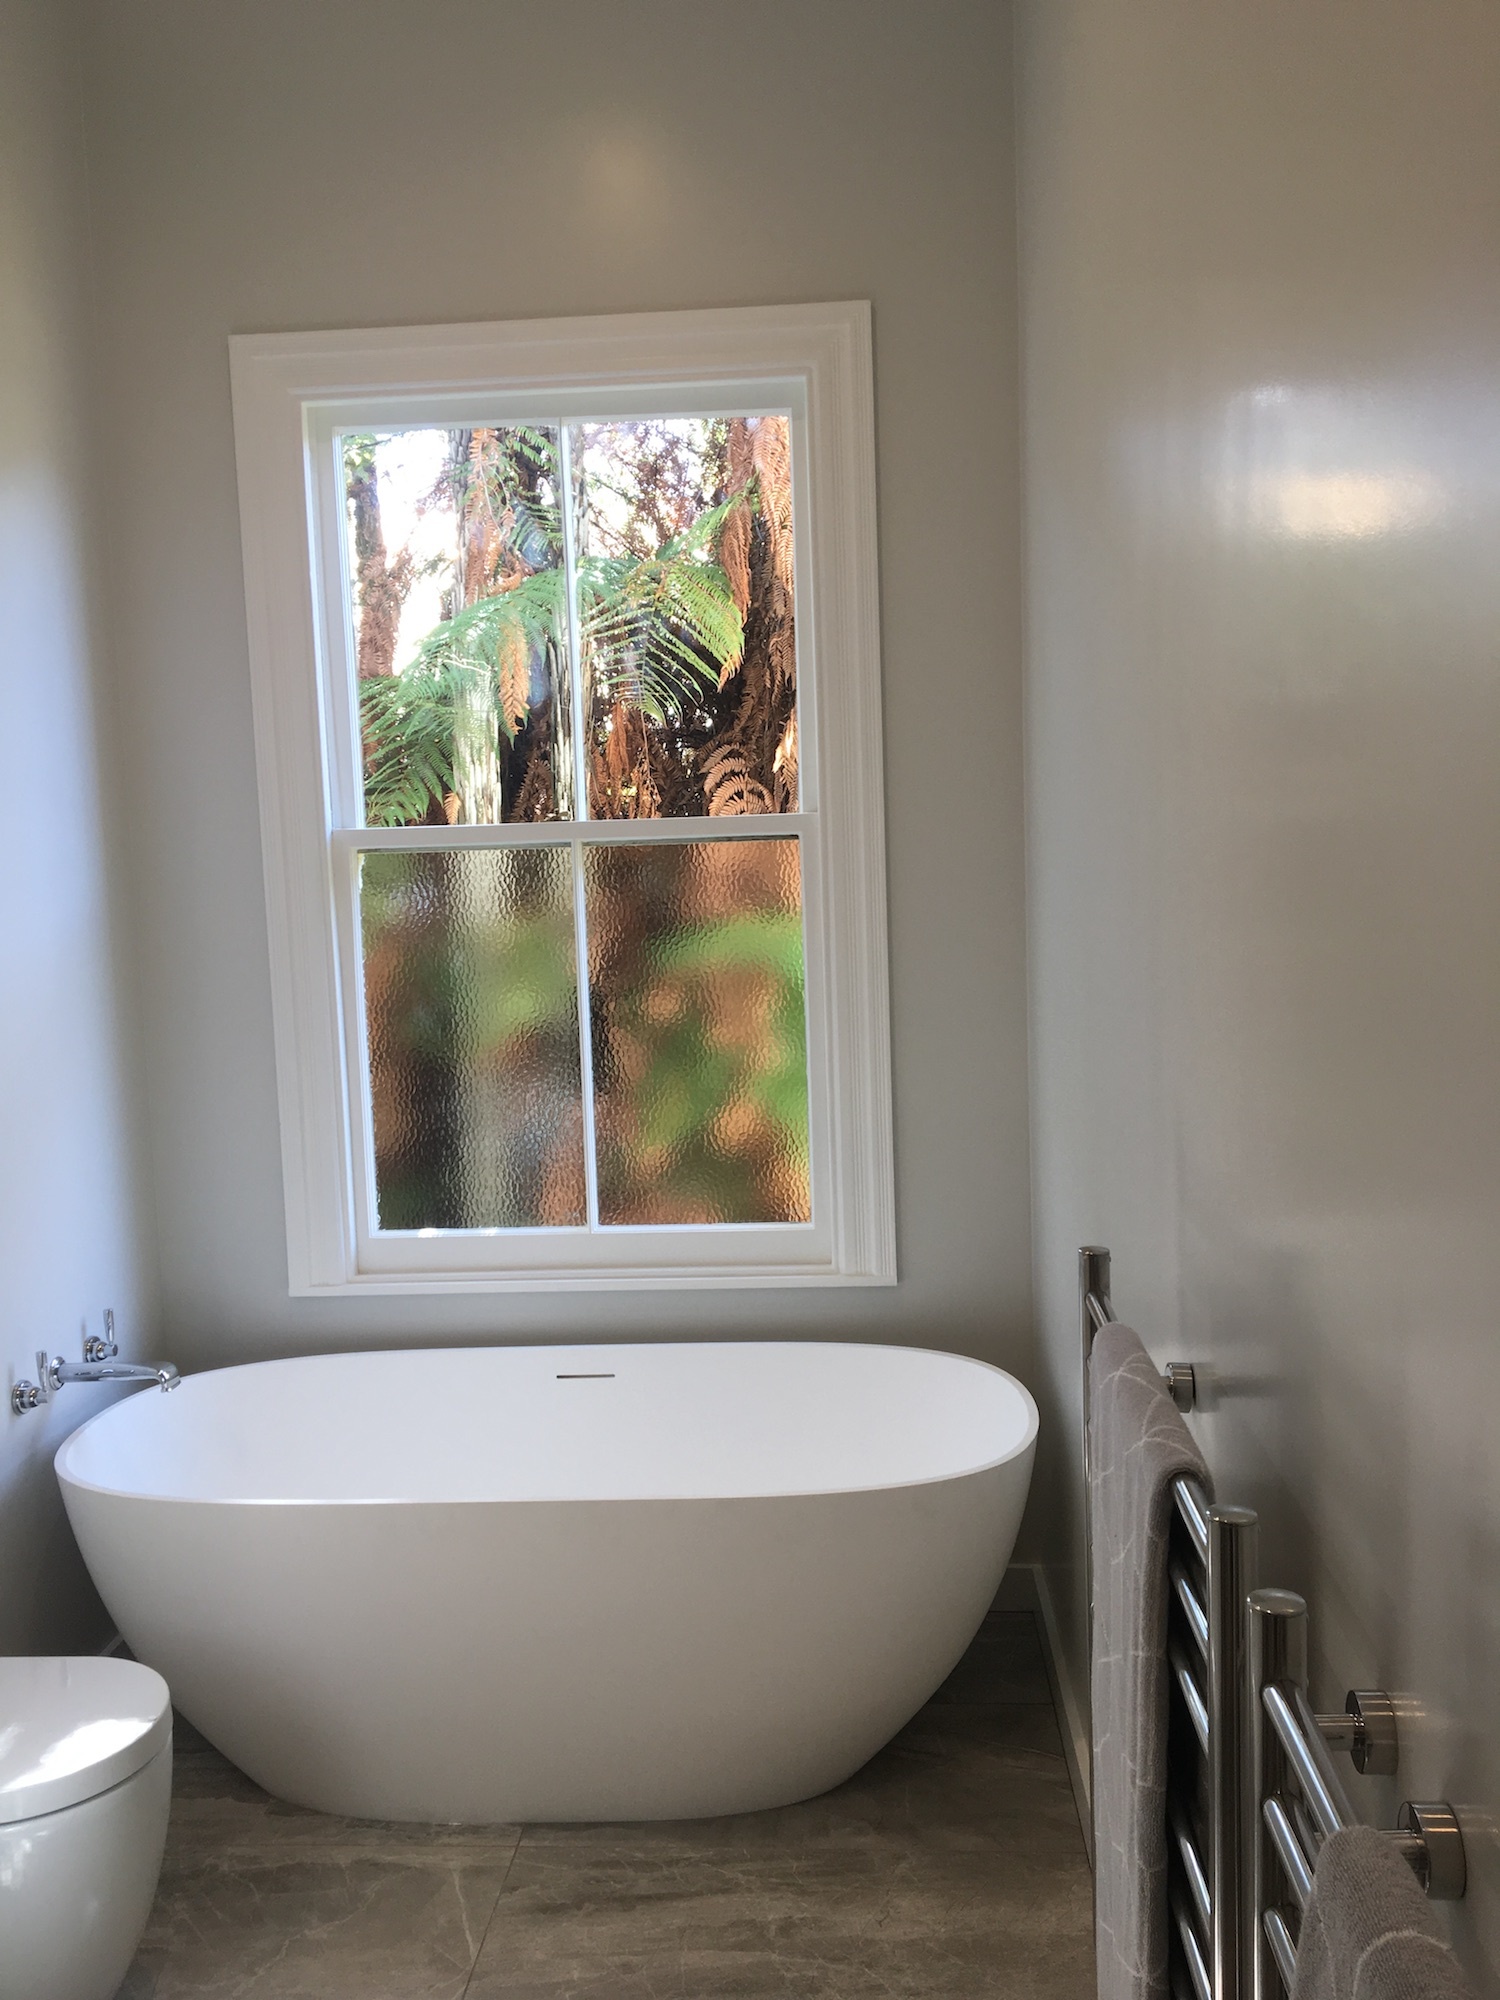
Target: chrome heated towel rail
(1213, 1553)
(1252, 1793)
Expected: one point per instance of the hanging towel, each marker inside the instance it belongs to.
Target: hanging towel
(1138, 1445)
(1368, 1932)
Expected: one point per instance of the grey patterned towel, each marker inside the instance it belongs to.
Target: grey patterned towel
(1139, 1444)
(1368, 1933)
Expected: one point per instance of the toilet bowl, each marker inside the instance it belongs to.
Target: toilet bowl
(85, 1789)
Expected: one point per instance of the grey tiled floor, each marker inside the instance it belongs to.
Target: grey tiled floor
(950, 1868)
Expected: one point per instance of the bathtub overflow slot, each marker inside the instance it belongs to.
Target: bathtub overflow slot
(602, 1377)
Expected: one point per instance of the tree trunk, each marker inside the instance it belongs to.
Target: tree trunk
(381, 586)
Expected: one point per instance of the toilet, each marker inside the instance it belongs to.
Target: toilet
(85, 1789)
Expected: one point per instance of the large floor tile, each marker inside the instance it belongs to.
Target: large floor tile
(952, 1865)
(341, 1926)
(691, 1927)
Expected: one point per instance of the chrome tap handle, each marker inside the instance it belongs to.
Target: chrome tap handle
(26, 1396)
(95, 1349)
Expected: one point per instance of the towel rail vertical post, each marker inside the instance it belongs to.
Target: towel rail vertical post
(1233, 1547)
(1275, 1654)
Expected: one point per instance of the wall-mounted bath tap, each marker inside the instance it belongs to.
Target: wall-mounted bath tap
(98, 1365)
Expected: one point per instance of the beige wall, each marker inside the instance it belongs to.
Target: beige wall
(1261, 258)
(357, 163)
(67, 1230)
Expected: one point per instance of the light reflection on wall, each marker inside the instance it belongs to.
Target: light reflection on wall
(1348, 506)
(1322, 465)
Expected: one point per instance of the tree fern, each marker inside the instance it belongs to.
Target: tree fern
(657, 631)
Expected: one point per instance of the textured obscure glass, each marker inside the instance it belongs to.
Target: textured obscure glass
(699, 1031)
(472, 1018)
(683, 528)
(455, 575)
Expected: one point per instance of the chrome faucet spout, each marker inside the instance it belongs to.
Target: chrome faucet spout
(163, 1374)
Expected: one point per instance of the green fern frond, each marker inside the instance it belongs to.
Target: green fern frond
(659, 631)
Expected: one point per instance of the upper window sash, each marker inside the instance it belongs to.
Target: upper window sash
(325, 424)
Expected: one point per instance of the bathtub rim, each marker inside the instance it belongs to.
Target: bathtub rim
(1027, 1443)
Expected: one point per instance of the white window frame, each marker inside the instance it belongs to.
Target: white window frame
(292, 393)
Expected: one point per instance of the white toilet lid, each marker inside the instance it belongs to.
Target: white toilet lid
(69, 1729)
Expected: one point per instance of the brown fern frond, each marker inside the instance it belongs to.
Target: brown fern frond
(534, 798)
(730, 787)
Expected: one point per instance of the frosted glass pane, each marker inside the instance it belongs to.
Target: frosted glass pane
(454, 569)
(471, 1012)
(700, 1057)
(687, 613)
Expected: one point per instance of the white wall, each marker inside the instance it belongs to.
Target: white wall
(67, 1234)
(286, 166)
(1261, 260)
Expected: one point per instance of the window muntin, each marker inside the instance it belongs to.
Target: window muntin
(570, 624)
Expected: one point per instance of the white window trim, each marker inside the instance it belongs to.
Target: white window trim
(288, 392)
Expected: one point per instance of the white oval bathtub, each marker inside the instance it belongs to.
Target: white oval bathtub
(546, 1583)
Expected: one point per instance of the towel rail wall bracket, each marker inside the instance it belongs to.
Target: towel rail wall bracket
(1367, 1730)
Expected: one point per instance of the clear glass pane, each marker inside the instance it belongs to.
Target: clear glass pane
(686, 608)
(471, 1012)
(699, 1032)
(455, 580)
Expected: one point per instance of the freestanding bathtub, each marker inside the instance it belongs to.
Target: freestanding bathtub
(556, 1583)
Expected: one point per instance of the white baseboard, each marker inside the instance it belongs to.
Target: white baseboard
(1070, 1711)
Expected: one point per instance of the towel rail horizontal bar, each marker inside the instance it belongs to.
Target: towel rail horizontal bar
(1192, 1868)
(1192, 1950)
(1192, 1696)
(1192, 1505)
(1289, 1850)
(1192, 1606)
(1324, 1795)
(1283, 1950)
